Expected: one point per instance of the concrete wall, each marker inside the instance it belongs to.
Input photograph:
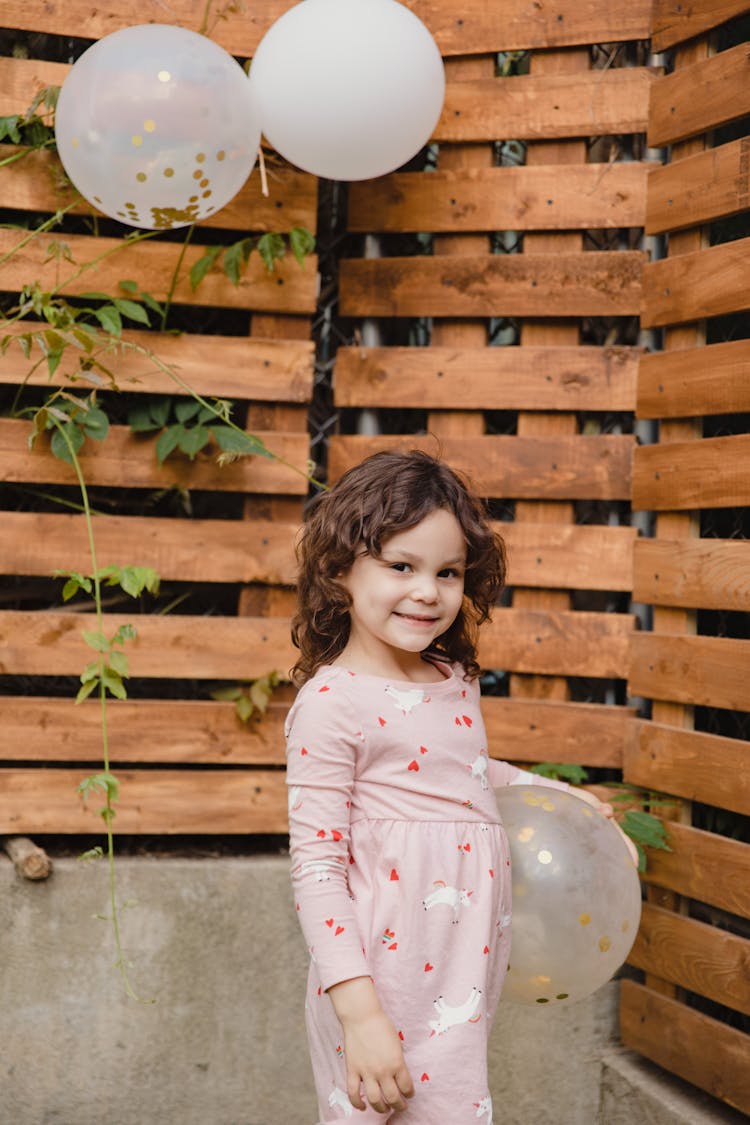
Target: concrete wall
(215, 945)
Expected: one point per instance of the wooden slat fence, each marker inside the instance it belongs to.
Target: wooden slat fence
(491, 303)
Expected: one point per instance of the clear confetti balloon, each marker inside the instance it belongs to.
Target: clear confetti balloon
(576, 896)
(348, 89)
(157, 126)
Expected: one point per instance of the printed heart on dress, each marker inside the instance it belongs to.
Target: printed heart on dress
(486, 949)
(304, 750)
(467, 720)
(423, 750)
(425, 1077)
(324, 688)
(492, 873)
(339, 930)
(394, 875)
(428, 967)
(413, 765)
(321, 833)
(336, 834)
(381, 720)
(329, 922)
(401, 1036)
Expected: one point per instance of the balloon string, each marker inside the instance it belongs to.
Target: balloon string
(262, 169)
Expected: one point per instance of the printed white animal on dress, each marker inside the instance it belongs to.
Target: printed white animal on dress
(453, 1017)
(406, 701)
(479, 769)
(448, 896)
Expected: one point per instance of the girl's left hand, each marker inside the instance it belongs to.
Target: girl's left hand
(606, 809)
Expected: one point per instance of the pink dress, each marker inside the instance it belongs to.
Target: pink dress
(401, 872)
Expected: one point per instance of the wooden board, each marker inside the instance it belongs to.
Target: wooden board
(706, 186)
(498, 465)
(693, 955)
(536, 197)
(693, 573)
(705, 1052)
(697, 98)
(707, 867)
(605, 283)
(178, 646)
(569, 556)
(175, 732)
(163, 802)
(690, 764)
(546, 642)
(708, 671)
(477, 29)
(124, 460)
(183, 550)
(290, 288)
(709, 473)
(512, 378)
(541, 730)
(37, 183)
(673, 21)
(711, 379)
(707, 282)
(547, 107)
(234, 367)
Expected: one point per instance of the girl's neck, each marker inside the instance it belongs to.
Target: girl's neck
(406, 666)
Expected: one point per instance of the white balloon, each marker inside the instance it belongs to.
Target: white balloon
(348, 89)
(157, 126)
(576, 896)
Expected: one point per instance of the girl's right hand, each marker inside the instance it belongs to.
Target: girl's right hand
(372, 1049)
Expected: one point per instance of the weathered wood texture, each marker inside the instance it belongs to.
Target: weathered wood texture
(694, 573)
(712, 473)
(704, 866)
(706, 186)
(712, 379)
(696, 98)
(674, 22)
(708, 671)
(708, 282)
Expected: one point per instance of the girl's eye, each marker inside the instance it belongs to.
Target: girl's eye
(449, 572)
(401, 567)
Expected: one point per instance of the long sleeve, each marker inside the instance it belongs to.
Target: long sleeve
(322, 741)
(503, 773)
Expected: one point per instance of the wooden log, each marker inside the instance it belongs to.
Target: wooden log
(696, 573)
(524, 25)
(164, 802)
(289, 289)
(543, 378)
(37, 183)
(674, 22)
(29, 860)
(569, 643)
(702, 1050)
(548, 107)
(707, 473)
(538, 197)
(127, 460)
(702, 187)
(685, 382)
(695, 956)
(166, 732)
(543, 730)
(705, 671)
(697, 98)
(708, 282)
(690, 764)
(37, 543)
(576, 467)
(187, 647)
(704, 866)
(605, 283)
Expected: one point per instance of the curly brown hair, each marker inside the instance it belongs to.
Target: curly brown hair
(387, 493)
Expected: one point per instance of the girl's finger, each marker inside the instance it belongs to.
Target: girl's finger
(354, 1090)
(404, 1082)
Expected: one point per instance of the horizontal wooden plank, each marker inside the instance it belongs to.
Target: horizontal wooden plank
(702, 1050)
(36, 182)
(694, 955)
(174, 732)
(712, 473)
(674, 22)
(289, 289)
(512, 378)
(235, 367)
(125, 460)
(529, 468)
(525, 25)
(50, 643)
(537, 197)
(556, 643)
(708, 185)
(163, 802)
(707, 282)
(539, 730)
(708, 671)
(699, 97)
(547, 107)
(704, 866)
(693, 573)
(690, 764)
(569, 556)
(183, 550)
(711, 379)
(602, 283)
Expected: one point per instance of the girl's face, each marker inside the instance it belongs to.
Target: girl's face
(406, 598)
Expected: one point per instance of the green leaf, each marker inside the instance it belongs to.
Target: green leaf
(271, 247)
(140, 420)
(302, 242)
(125, 633)
(167, 442)
(85, 691)
(90, 672)
(135, 579)
(113, 683)
(159, 409)
(96, 423)
(86, 335)
(206, 414)
(91, 853)
(118, 662)
(227, 694)
(260, 693)
(151, 302)
(244, 708)
(645, 829)
(561, 771)
(231, 440)
(128, 286)
(132, 310)
(200, 268)
(193, 440)
(60, 447)
(9, 128)
(96, 640)
(110, 319)
(234, 259)
(53, 362)
(75, 583)
(186, 409)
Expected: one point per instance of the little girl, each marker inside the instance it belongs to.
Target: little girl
(400, 863)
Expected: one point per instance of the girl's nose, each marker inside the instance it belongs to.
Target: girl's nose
(425, 588)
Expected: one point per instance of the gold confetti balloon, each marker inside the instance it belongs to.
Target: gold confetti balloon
(576, 896)
(157, 126)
